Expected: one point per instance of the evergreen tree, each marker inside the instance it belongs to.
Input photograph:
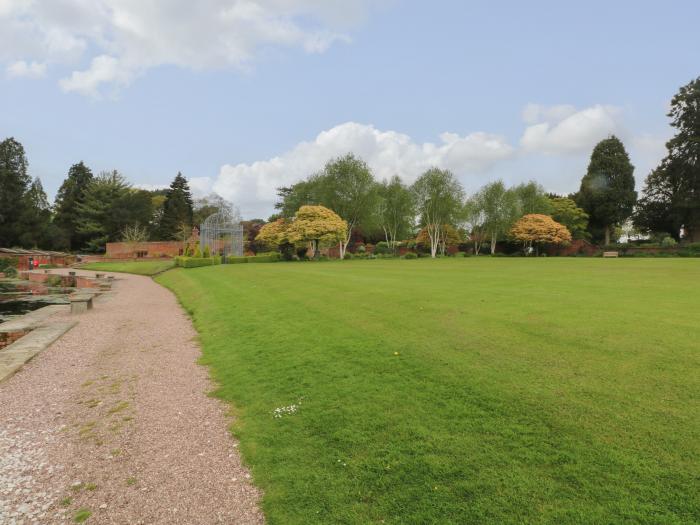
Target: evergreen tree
(607, 190)
(110, 205)
(177, 208)
(14, 185)
(671, 195)
(36, 219)
(70, 196)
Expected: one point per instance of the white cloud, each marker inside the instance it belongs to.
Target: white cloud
(121, 39)
(563, 130)
(253, 186)
(26, 69)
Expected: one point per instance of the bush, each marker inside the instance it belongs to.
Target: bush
(360, 248)
(382, 248)
(410, 255)
(206, 252)
(348, 256)
(460, 254)
(48, 266)
(196, 262)
(668, 242)
(8, 265)
(236, 260)
(371, 256)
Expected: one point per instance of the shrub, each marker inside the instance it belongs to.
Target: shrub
(8, 265)
(197, 253)
(371, 256)
(410, 255)
(47, 266)
(348, 255)
(360, 248)
(382, 248)
(236, 260)
(460, 254)
(668, 242)
(206, 252)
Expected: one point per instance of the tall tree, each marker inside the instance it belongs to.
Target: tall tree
(14, 185)
(177, 208)
(396, 210)
(347, 187)
(607, 190)
(473, 218)
(438, 196)
(671, 195)
(37, 217)
(501, 210)
(70, 196)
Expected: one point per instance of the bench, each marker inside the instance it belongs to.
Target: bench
(611, 254)
(80, 303)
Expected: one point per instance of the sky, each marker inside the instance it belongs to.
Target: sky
(244, 96)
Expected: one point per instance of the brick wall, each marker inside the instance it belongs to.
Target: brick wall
(150, 250)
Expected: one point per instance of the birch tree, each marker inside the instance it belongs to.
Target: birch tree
(474, 220)
(347, 187)
(396, 210)
(500, 207)
(438, 196)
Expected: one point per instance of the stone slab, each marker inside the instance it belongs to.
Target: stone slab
(14, 356)
(32, 319)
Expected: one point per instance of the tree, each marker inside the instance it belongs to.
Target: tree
(36, 220)
(607, 190)
(501, 209)
(536, 229)
(671, 195)
(449, 236)
(134, 233)
(347, 187)
(14, 185)
(438, 197)
(276, 234)
(396, 210)
(317, 225)
(177, 208)
(110, 204)
(474, 220)
(294, 197)
(70, 195)
(532, 199)
(565, 211)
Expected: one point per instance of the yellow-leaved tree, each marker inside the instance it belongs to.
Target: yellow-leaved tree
(536, 229)
(317, 225)
(274, 233)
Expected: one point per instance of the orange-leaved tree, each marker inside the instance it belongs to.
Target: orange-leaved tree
(316, 225)
(536, 229)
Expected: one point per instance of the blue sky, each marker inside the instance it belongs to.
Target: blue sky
(243, 96)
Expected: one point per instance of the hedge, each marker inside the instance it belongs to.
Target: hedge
(196, 262)
(267, 258)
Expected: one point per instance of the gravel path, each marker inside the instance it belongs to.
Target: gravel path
(113, 421)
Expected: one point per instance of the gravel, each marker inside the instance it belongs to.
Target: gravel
(115, 418)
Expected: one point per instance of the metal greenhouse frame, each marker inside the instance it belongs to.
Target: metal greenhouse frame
(222, 232)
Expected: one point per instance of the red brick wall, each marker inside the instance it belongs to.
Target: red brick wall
(127, 250)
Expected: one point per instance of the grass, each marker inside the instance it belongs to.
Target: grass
(137, 267)
(472, 390)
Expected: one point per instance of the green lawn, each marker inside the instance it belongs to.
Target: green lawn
(137, 267)
(475, 390)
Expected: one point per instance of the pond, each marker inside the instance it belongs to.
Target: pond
(20, 297)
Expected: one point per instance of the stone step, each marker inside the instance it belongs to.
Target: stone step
(13, 357)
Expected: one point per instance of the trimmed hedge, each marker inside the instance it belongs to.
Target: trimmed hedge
(267, 258)
(196, 262)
